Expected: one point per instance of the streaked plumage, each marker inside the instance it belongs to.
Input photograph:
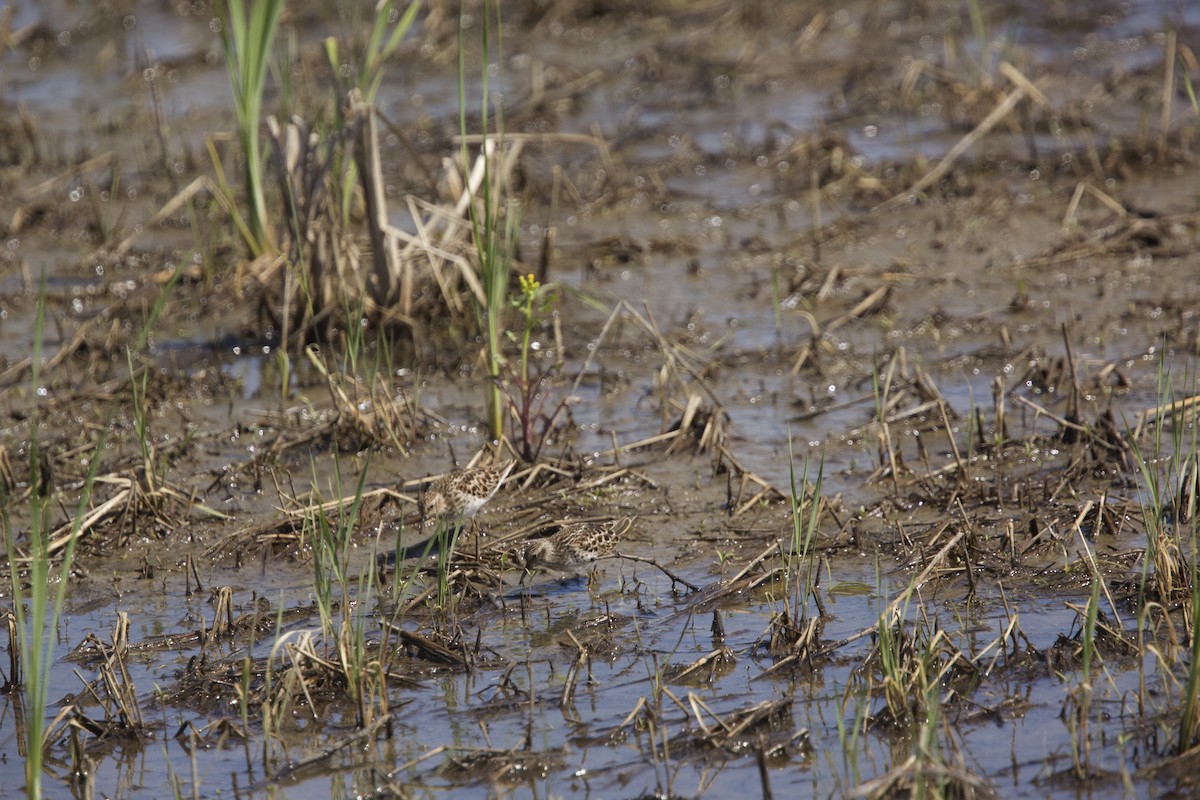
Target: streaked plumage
(574, 545)
(458, 496)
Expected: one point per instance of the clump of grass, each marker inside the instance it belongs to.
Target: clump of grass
(804, 533)
(246, 37)
(446, 537)
(340, 594)
(331, 540)
(368, 70)
(1170, 568)
(370, 411)
(1164, 571)
(324, 272)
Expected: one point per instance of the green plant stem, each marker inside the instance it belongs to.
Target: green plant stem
(247, 40)
(493, 254)
(37, 620)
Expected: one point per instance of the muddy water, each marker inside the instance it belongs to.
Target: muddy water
(742, 204)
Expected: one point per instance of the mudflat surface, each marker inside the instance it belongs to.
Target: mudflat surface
(879, 322)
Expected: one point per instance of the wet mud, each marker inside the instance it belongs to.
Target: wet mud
(877, 323)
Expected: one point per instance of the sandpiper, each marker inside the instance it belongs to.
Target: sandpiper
(457, 496)
(574, 545)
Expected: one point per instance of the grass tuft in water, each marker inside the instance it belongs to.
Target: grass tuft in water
(37, 594)
(806, 511)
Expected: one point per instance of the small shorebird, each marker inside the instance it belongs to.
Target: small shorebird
(457, 496)
(449, 504)
(574, 545)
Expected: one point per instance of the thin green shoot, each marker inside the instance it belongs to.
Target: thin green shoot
(850, 733)
(494, 247)
(274, 709)
(1080, 699)
(970, 423)
(777, 301)
(37, 619)
(928, 748)
(532, 423)
(1191, 91)
(979, 28)
(141, 426)
(1189, 718)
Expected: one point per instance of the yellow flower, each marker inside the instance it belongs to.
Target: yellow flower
(529, 284)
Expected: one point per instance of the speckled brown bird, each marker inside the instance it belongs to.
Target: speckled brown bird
(574, 545)
(457, 496)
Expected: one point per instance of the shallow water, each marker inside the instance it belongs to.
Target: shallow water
(706, 223)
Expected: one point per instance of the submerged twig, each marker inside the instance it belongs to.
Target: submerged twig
(652, 562)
